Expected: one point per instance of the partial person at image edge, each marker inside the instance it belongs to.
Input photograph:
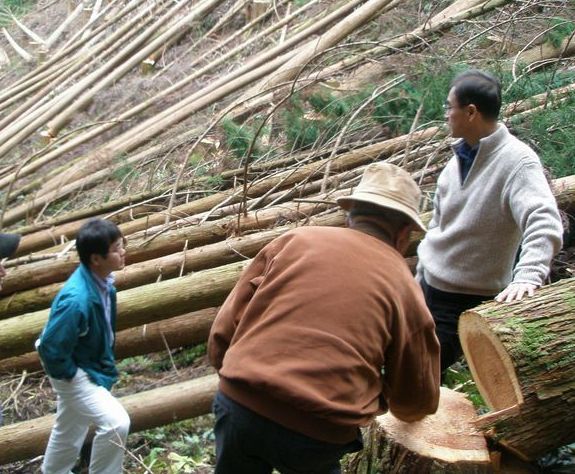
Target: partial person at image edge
(8, 246)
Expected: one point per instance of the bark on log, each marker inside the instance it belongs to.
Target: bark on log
(39, 274)
(540, 55)
(137, 306)
(446, 442)
(141, 248)
(184, 330)
(162, 268)
(521, 356)
(147, 410)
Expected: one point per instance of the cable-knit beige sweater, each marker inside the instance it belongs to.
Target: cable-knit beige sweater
(478, 226)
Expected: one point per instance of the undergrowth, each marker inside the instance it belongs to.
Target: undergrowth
(552, 133)
(561, 29)
(13, 7)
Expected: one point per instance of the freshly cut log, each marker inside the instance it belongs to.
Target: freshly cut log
(148, 409)
(142, 305)
(445, 442)
(184, 330)
(522, 358)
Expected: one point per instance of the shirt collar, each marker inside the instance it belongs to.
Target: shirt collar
(465, 151)
(103, 284)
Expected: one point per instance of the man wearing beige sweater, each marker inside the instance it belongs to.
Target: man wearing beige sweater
(492, 199)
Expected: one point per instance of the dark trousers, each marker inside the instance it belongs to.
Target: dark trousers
(247, 443)
(446, 308)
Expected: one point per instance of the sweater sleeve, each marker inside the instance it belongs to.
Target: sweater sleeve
(412, 374)
(534, 209)
(234, 307)
(59, 338)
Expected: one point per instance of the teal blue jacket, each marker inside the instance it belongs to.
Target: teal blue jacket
(76, 334)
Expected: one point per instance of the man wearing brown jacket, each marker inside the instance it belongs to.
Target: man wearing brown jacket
(324, 330)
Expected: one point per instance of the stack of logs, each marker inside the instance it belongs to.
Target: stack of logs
(178, 274)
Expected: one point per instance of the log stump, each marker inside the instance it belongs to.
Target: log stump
(522, 357)
(445, 442)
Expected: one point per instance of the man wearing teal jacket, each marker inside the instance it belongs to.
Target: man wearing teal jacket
(77, 351)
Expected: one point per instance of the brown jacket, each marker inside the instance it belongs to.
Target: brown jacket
(325, 329)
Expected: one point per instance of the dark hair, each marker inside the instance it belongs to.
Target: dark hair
(396, 220)
(480, 89)
(95, 237)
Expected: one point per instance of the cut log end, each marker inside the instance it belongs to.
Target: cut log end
(489, 362)
(444, 442)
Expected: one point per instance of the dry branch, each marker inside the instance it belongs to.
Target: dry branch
(19, 50)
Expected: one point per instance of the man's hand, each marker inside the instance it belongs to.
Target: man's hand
(515, 292)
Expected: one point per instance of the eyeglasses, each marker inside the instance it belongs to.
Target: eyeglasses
(447, 107)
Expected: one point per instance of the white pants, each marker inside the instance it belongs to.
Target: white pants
(82, 403)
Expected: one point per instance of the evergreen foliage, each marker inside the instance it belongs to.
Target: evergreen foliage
(238, 138)
(552, 132)
(562, 29)
(13, 7)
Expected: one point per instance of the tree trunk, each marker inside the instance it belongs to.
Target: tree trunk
(145, 248)
(137, 306)
(539, 56)
(522, 358)
(147, 410)
(149, 271)
(184, 330)
(446, 442)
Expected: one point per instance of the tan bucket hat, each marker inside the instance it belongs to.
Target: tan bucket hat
(389, 186)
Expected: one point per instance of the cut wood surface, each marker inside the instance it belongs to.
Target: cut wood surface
(445, 442)
(521, 356)
(147, 410)
(184, 330)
